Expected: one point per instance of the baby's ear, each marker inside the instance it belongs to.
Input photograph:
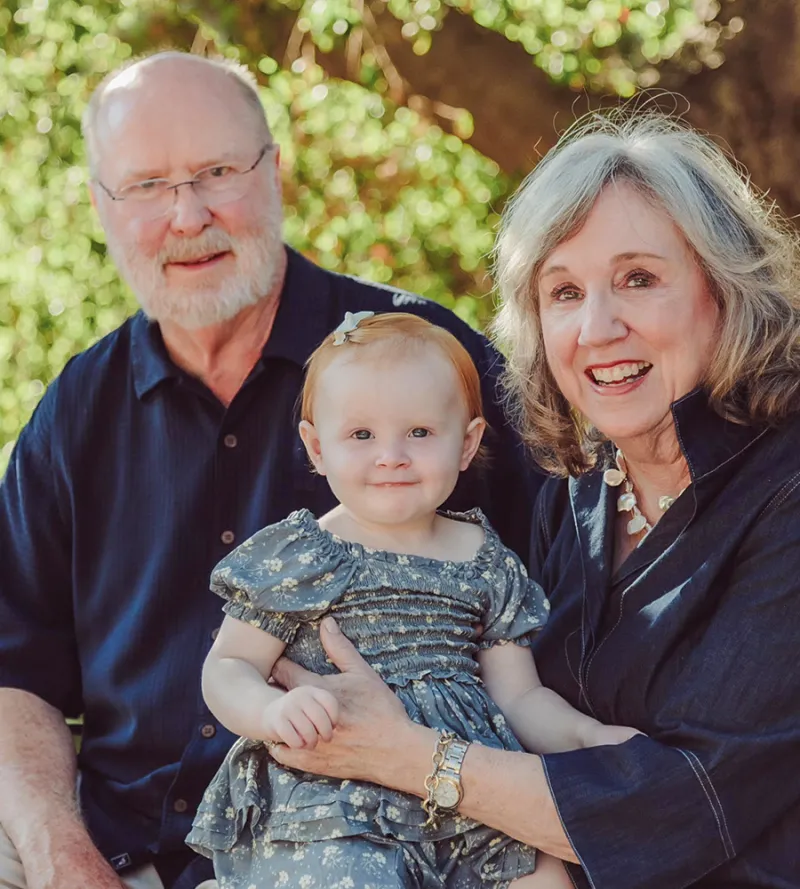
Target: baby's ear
(472, 441)
(308, 434)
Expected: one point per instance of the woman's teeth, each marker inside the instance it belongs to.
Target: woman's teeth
(620, 372)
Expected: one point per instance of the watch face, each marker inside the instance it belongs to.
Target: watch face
(447, 794)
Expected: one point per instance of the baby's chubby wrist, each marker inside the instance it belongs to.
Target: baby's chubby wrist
(300, 717)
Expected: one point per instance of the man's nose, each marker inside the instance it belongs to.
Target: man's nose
(189, 214)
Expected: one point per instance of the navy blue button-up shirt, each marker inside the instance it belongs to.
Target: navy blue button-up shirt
(694, 640)
(128, 485)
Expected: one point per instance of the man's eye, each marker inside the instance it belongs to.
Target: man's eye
(419, 432)
(362, 434)
(215, 172)
(147, 185)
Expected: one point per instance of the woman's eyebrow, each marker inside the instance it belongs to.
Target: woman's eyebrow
(619, 257)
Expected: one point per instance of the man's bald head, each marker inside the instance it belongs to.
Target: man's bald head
(168, 78)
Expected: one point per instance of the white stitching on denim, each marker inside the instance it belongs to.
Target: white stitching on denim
(543, 523)
(728, 851)
(724, 462)
(564, 826)
(697, 760)
(782, 495)
(566, 658)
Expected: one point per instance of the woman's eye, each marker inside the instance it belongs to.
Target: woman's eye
(362, 434)
(419, 432)
(218, 172)
(565, 293)
(639, 278)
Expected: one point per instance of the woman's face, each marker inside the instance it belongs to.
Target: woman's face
(628, 323)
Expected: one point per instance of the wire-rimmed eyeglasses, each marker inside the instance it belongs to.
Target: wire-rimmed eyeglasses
(214, 185)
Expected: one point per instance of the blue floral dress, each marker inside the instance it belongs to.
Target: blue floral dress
(414, 620)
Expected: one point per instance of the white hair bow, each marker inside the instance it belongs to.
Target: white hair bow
(350, 323)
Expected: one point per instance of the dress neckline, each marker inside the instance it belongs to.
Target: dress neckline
(360, 551)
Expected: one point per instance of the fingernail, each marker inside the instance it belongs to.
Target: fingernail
(330, 625)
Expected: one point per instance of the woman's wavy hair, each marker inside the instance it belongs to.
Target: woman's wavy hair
(747, 250)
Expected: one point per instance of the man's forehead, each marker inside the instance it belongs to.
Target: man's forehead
(148, 125)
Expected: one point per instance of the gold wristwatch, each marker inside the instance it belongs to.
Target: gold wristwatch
(444, 783)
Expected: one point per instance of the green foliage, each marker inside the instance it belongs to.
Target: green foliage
(370, 188)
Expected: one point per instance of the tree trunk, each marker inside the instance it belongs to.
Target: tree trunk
(752, 101)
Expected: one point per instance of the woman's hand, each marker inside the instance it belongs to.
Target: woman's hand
(372, 723)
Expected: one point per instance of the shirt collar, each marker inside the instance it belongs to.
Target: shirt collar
(707, 440)
(303, 318)
(149, 357)
(301, 323)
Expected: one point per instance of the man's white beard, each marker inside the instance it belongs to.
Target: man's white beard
(259, 262)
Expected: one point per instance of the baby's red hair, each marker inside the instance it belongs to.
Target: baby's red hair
(398, 328)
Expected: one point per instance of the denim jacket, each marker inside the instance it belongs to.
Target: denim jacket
(694, 640)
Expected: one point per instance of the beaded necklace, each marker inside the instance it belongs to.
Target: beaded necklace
(618, 475)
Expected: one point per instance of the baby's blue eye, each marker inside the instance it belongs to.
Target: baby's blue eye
(362, 434)
(419, 432)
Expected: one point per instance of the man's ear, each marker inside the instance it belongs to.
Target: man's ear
(472, 441)
(308, 434)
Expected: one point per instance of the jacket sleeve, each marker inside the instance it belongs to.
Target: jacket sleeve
(723, 766)
(38, 648)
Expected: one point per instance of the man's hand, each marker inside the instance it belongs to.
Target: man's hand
(301, 717)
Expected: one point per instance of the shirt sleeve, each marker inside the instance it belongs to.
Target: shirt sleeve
(38, 647)
(663, 811)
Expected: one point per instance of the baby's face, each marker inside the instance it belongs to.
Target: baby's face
(391, 432)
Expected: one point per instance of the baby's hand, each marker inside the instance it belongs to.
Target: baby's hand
(301, 717)
(599, 735)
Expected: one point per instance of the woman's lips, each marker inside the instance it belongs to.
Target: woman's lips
(619, 372)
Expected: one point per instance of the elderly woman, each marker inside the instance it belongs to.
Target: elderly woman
(651, 304)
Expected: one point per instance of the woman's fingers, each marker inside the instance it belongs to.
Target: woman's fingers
(291, 675)
(341, 650)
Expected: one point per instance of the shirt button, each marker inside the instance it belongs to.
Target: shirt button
(208, 731)
(230, 441)
(214, 634)
(227, 537)
(180, 806)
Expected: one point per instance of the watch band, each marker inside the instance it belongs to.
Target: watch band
(443, 785)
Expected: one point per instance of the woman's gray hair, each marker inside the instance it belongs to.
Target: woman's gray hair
(746, 249)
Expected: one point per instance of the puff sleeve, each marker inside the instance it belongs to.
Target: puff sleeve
(517, 606)
(286, 574)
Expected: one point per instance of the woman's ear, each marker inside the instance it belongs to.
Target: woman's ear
(472, 441)
(308, 434)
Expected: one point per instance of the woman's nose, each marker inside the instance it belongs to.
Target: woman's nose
(600, 320)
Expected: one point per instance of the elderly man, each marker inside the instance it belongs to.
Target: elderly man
(149, 458)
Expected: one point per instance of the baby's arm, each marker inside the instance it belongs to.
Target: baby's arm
(235, 687)
(542, 720)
